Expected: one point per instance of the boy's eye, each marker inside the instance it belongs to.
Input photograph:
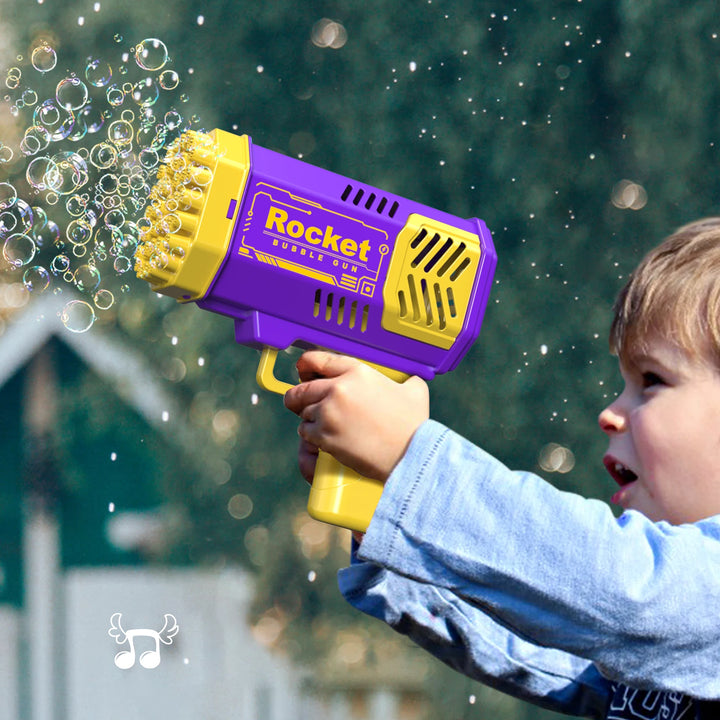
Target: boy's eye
(650, 379)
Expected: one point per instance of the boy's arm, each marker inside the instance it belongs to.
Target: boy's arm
(470, 641)
(636, 598)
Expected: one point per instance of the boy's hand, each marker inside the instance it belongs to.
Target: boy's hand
(355, 413)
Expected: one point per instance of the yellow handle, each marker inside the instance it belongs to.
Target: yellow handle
(339, 495)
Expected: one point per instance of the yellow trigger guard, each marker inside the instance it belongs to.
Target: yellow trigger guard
(265, 375)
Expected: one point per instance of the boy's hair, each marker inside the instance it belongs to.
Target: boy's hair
(673, 293)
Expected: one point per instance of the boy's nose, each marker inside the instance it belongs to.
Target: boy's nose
(612, 420)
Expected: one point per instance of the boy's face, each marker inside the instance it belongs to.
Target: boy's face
(664, 432)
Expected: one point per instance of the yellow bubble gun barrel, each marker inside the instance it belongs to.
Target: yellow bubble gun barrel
(298, 255)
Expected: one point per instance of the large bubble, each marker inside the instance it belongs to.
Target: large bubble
(151, 54)
(77, 316)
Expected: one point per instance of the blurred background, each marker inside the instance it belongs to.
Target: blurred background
(144, 472)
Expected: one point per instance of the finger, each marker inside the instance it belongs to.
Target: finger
(307, 393)
(307, 458)
(314, 363)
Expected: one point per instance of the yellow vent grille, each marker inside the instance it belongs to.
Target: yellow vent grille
(429, 281)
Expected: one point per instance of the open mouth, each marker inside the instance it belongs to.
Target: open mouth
(620, 473)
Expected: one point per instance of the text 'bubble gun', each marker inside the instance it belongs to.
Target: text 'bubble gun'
(298, 255)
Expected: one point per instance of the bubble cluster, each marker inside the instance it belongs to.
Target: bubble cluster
(79, 153)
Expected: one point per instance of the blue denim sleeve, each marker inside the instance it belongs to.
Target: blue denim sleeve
(635, 599)
(467, 639)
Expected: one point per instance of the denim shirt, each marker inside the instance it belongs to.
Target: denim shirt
(540, 593)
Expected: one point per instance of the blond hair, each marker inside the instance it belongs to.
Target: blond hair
(673, 293)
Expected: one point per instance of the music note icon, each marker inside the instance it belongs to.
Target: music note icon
(149, 659)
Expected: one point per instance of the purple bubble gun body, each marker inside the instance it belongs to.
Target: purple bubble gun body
(298, 255)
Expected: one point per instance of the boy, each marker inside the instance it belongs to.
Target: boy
(544, 594)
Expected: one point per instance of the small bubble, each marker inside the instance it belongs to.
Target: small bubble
(98, 73)
(312, 576)
(71, 93)
(165, 416)
(43, 58)
(36, 279)
(77, 316)
(86, 278)
(168, 80)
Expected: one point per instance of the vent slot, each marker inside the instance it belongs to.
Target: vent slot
(357, 199)
(338, 309)
(426, 303)
(459, 250)
(423, 253)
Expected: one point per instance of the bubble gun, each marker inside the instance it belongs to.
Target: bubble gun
(302, 256)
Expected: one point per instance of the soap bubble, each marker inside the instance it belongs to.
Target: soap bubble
(101, 187)
(122, 264)
(19, 249)
(151, 54)
(36, 279)
(43, 58)
(35, 139)
(103, 155)
(18, 218)
(56, 119)
(71, 93)
(98, 73)
(60, 264)
(6, 153)
(103, 299)
(66, 173)
(86, 278)
(115, 95)
(145, 92)
(172, 119)
(77, 316)
(79, 232)
(48, 235)
(8, 195)
(36, 171)
(29, 97)
(120, 132)
(168, 79)
(92, 118)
